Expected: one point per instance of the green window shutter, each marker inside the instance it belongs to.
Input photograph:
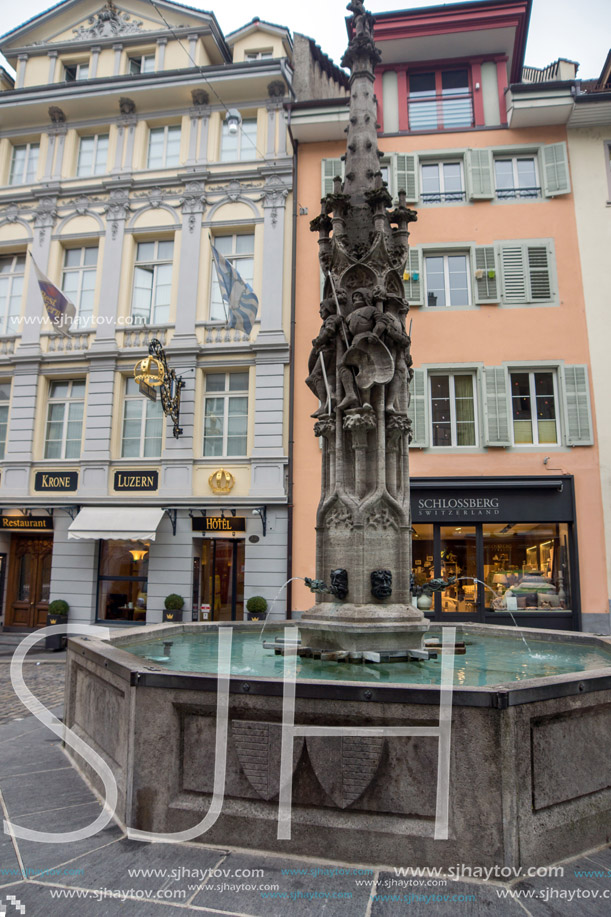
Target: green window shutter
(577, 413)
(496, 407)
(555, 169)
(330, 168)
(513, 273)
(405, 170)
(486, 281)
(480, 173)
(539, 274)
(417, 411)
(413, 282)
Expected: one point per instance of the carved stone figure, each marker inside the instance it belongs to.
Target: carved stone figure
(381, 584)
(339, 583)
(127, 106)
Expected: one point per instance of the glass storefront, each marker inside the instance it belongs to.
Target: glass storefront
(222, 577)
(526, 567)
(123, 581)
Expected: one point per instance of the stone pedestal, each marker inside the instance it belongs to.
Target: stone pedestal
(361, 628)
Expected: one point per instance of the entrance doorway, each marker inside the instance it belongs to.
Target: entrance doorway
(222, 577)
(29, 583)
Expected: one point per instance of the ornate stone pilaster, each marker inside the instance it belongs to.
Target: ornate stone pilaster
(126, 126)
(95, 57)
(199, 121)
(161, 46)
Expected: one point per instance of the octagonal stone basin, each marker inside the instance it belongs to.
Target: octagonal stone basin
(530, 752)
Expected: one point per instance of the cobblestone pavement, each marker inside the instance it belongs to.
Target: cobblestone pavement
(45, 679)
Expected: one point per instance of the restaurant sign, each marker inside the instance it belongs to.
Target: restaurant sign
(27, 523)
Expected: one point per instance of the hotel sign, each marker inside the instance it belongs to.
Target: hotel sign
(217, 525)
(142, 481)
(27, 523)
(56, 481)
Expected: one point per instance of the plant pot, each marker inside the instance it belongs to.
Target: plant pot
(172, 615)
(256, 615)
(56, 642)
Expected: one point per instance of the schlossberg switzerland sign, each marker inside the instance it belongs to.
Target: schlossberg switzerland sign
(55, 481)
(522, 500)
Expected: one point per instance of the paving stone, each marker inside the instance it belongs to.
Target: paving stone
(32, 752)
(45, 681)
(599, 860)
(28, 725)
(39, 902)
(290, 895)
(186, 867)
(454, 899)
(39, 857)
(39, 792)
(571, 895)
(9, 864)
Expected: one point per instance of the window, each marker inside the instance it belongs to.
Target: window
(78, 281)
(242, 144)
(142, 424)
(24, 163)
(92, 155)
(440, 100)
(65, 420)
(516, 177)
(527, 275)
(226, 414)
(239, 250)
(442, 182)
(144, 63)
(447, 280)
(152, 282)
(74, 72)
(164, 147)
(258, 55)
(12, 268)
(533, 406)
(123, 581)
(5, 395)
(453, 409)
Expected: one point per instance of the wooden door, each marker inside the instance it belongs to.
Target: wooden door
(29, 582)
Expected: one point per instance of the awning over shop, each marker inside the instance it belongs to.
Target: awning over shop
(130, 523)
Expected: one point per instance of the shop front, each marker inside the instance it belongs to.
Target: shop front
(218, 567)
(29, 548)
(508, 547)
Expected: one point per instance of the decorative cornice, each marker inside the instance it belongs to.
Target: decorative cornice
(108, 23)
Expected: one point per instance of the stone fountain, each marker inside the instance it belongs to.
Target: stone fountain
(360, 370)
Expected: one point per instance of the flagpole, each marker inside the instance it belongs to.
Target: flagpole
(219, 280)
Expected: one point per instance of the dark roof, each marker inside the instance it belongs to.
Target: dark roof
(326, 63)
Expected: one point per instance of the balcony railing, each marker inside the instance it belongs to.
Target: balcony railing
(442, 197)
(504, 194)
(441, 112)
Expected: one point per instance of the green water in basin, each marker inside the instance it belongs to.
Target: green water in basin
(490, 660)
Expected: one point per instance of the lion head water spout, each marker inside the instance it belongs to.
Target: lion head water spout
(359, 369)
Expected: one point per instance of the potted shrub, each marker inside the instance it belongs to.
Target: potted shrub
(57, 613)
(256, 608)
(173, 605)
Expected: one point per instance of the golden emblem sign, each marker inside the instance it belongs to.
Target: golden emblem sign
(150, 371)
(221, 481)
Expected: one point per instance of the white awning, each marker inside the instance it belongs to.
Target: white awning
(129, 523)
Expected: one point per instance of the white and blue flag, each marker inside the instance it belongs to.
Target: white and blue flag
(242, 302)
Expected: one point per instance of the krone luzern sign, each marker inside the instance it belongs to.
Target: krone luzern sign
(136, 480)
(56, 481)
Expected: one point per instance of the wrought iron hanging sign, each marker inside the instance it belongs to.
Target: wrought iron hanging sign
(154, 373)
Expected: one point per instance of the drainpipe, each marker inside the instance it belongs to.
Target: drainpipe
(289, 543)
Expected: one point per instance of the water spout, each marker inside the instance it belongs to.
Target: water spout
(275, 599)
(490, 589)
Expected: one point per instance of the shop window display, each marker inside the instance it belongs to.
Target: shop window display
(526, 567)
(122, 581)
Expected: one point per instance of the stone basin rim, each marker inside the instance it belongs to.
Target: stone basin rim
(117, 658)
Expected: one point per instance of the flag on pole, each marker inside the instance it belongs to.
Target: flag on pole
(59, 309)
(239, 296)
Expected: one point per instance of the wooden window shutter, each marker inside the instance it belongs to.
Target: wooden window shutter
(480, 174)
(405, 176)
(417, 411)
(577, 413)
(486, 283)
(555, 169)
(412, 278)
(496, 407)
(539, 273)
(514, 273)
(330, 168)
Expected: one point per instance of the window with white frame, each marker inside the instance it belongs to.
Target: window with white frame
(516, 177)
(453, 409)
(164, 147)
(447, 280)
(5, 395)
(533, 406)
(142, 424)
(441, 182)
(65, 412)
(241, 144)
(141, 63)
(152, 282)
(78, 281)
(92, 155)
(226, 414)
(239, 249)
(258, 55)
(12, 270)
(78, 71)
(24, 163)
